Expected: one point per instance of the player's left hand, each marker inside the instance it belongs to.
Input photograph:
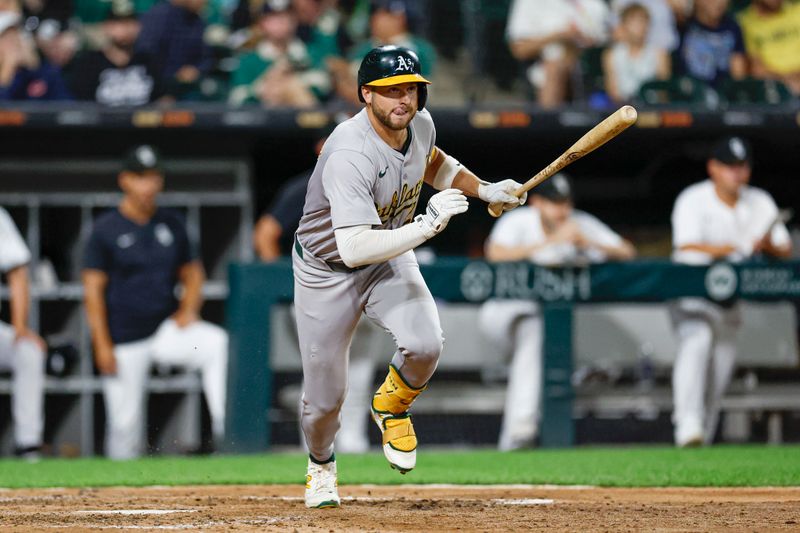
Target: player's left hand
(502, 192)
(183, 317)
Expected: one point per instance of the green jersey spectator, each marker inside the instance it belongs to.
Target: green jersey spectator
(389, 24)
(282, 70)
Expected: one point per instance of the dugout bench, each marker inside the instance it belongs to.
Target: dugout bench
(254, 288)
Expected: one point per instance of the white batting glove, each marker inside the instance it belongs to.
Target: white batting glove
(502, 192)
(441, 207)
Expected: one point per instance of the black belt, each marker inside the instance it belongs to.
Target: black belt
(336, 267)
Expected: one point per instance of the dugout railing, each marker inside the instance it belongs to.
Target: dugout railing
(254, 288)
(53, 202)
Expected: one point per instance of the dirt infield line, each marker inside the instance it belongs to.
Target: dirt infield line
(402, 508)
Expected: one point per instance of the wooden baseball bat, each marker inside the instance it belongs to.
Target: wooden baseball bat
(596, 137)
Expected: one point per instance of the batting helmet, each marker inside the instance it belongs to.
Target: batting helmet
(391, 65)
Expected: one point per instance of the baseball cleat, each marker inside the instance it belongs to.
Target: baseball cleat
(689, 433)
(321, 485)
(399, 440)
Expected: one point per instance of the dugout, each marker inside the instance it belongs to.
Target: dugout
(630, 183)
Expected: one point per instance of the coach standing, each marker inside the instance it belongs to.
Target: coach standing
(135, 257)
(21, 349)
(721, 218)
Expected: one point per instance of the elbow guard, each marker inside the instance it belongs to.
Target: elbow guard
(446, 174)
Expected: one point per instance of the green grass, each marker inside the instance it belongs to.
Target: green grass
(620, 467)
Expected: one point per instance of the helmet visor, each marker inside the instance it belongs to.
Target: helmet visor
(396, 80)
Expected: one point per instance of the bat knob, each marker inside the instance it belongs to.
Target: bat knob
(628, 114)
(495, 209)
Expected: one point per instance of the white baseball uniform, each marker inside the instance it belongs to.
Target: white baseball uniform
(707, 331)
(23, 357)
(515, 326)
(359, 180)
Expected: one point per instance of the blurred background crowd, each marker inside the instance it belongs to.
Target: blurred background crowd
(302, 53)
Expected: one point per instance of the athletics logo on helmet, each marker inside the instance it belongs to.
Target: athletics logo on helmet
(391, 65)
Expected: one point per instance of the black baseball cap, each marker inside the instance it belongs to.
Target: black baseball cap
(141, 159)
(122, 10)
(556, 189)
(732, 151)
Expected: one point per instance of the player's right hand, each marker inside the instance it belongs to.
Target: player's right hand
(441, 207)
(105, 360)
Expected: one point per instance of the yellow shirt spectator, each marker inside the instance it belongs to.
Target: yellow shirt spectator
(773, 39)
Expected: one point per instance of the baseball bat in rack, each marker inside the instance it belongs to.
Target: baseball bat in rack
(596, 137)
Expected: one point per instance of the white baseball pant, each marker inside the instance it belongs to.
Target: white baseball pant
(704, 365)
(26, 360)
(515, 327)
(199, 346)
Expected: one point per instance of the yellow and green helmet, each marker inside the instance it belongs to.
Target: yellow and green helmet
(392, 65)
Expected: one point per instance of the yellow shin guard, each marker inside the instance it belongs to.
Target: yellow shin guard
(394, 396)
(389, 406)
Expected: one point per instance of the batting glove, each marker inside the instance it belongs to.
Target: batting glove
(441, 207)
(502, 192)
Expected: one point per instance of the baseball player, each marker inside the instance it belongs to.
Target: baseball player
(548, 232)
(135, 257)
(721, 218)
(353, 255)
(21, 350)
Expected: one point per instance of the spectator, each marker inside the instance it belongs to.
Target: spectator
(57, 43)
(712, 47)
(282, 70)
(23, 75)
(21, 350)
(546, 36)
(663, 31)
(548, 232)
(134, 258)
(772, 40)
(172, 34)
(116, 75)
(389, 23)
(721, 218)
(319, 24)
(631, 61)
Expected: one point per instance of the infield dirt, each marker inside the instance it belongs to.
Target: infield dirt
(402, 508)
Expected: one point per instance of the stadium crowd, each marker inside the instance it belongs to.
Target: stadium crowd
(302, 53)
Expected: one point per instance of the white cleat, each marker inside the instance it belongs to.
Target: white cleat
(689, 433)
(321, 486)
(399, 440)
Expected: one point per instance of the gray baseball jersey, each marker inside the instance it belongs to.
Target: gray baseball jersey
(359, 180)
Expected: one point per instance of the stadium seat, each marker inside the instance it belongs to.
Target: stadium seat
(754, 91)
(679, 90)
